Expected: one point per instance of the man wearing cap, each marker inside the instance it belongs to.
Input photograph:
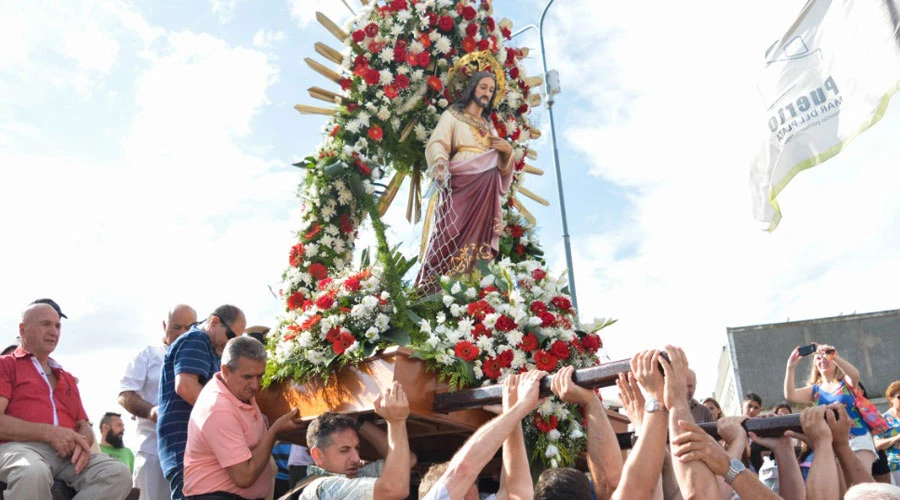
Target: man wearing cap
(44, 430)
(140, 394)
(190, 362)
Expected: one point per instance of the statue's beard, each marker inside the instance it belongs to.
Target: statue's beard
(483, 102)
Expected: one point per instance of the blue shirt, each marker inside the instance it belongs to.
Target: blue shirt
(281, 452)
(191, 353)
(842, 395)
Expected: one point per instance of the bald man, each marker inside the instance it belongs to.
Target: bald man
(44, 429)
(700, 412)
(140, 394)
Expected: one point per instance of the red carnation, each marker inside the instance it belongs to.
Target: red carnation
(359, 35)
(445, 23)
(435, 83)
(346, 225)
(472, 29)
(411, 59)
(316, 228)
(545, 361)
(545, 424)
(505, 358)
(375, 133)
(322, 285)
(516, 231)
(491, 25)
(479, 330)
(468, 13)
(423, 58)
(399, 53)
(318, 271)
(346, 84)
(425, 40)
(514, 72)
(375, 47)
(562, 303)
(352, 107)
(529, 343)
(559, 349)
(343, 342)
(402, 81)
(371, 30)
(483, 44)
(547, 319)
(372, 76)
(364, 169)
(295, 301)
(398, 5)
(491, 368)
(576, 345)
(297, 252)
(505, 324)
(466, 350)
(592, 342)
(433, 18)
(538, 274)
(469, 45)
(538, 307)
(391, 91)
(352, 284)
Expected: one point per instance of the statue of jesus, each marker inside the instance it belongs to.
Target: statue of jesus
(473, 168)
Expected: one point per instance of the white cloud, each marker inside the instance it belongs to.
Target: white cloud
(223, 9)
(266, 39)
(304, 11)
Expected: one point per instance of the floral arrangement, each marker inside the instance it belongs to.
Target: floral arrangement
(511, 318)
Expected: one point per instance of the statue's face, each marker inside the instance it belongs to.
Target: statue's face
(484, 92)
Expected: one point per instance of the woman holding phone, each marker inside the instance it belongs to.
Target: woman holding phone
(830, 380)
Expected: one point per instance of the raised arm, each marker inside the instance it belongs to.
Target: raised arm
(791, 392)
(790, 479)
(516, 481)
(644, 465)
(603, 454)
(854, 470)
(393, 406)
(694, 479)
(468, 461)
(851, 373)
(822, 481)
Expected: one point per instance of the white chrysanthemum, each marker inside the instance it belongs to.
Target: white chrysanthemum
(420, 131)
(416, 47)
(519, 359)
(404, 15)
(315, 357)
(305, 339)
(447, 300)
(443, 102)
(443, 45)
(418, 74)
(534, 321)
(385, 77)
(358, 311)
(478, 373)
(338, 263)
(444, 359)
(345, 197)
(546, 408)
(553, 435)
(465, 326)
(433, 341)
(440, 318)
(396, 31)
(513, 337)
(566, 335)
(353, 125)
(312, 249)
(327, 240)
(386, 55)
(384, 113)
(369, 302)
(485, 343)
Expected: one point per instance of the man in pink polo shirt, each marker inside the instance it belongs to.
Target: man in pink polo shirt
(44, 430)
(229, 441)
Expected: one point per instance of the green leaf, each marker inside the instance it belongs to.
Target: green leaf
(397, 336)
(335, 169)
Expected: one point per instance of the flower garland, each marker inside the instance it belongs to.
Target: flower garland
(511, 318)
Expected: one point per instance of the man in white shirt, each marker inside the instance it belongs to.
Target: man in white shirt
(139, 393)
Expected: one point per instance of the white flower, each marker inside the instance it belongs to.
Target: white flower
(418, 74)
(471, 292)
(416, 47)
(465, 326)
(387, 54)
(485, 344)
(442, 44)
(315, 357)
(443, 103)
(444, 359)
(396, 31)
(487, 281)
(490, 320)
(551, 451)
(424, 326)
(369, 302)
(420, 131)
(576, 433)
(455, 310)
(312, 249)
(384, 76)
(382, 321)
(372, 334)
(448, 299)
(305, 339)
(519, 359)
(404, 15)
(440, 318)
(384, 295)
(534, 321)
(554, 463)
(546, 408)
(514, 337)
(553, 435)
(455, 288)
(384, 113)
(478, 373)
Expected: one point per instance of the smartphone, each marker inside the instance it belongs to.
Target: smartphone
(807, 349)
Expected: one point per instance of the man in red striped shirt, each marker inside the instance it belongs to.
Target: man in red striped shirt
(44, 430)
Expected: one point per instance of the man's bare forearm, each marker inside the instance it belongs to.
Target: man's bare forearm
(642, 469)
(135, 404)
(603, 453)
(695, 480)
(379, 440)
(516, 475)
(394, 480)
(790, 479)
(854, 471)
(84, 428)
(16, 429)
(822, 480)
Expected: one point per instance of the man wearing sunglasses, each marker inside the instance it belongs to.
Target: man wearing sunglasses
(191, 361)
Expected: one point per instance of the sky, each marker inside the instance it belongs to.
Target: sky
(146, 150)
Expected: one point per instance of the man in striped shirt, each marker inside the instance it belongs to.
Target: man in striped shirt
(191, 361)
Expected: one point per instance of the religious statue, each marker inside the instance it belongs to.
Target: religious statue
(472, 169)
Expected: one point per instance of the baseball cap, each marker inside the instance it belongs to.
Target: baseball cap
(52, 303)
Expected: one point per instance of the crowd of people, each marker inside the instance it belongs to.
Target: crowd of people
(202, 436)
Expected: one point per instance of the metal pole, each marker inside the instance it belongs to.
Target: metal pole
(559, 186)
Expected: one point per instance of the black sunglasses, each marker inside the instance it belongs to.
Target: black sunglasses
(229, 333)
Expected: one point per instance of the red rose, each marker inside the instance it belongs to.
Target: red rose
(559, 349)
(364, 169)
(545, 361)
(352, 284)
(352, 107)
(423, 58)
(346, 225)
(545, 424)
(516, 231)
(514, 73)
(469, 45)
(372, 76)
(484, 44)
(318, 271)
(529, 343)
(479, 309)
(538, 307)
(295, 301)
(479, 330)
(346, 84)
(505, 358)
(371, 30)
(359, 35)
(343, 342)
(445, 23)
(538, 274)
(562, 303)
(375, 133)
(491, 25)
(488, 289)
(505, 324)
(468, 13)
(592, 342)
(547, 319)
(297, 252)
(472, 29)
(434, 83)
(466, 350)
(491, 368)
(398, 5)
(402, 81)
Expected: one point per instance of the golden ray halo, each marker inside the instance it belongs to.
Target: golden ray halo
(474, 62)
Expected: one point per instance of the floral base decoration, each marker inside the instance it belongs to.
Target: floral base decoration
(510, 318)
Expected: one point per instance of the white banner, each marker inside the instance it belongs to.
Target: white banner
(829, 78)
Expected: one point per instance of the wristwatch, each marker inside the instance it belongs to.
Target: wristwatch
(653, 405)
(735, 467)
